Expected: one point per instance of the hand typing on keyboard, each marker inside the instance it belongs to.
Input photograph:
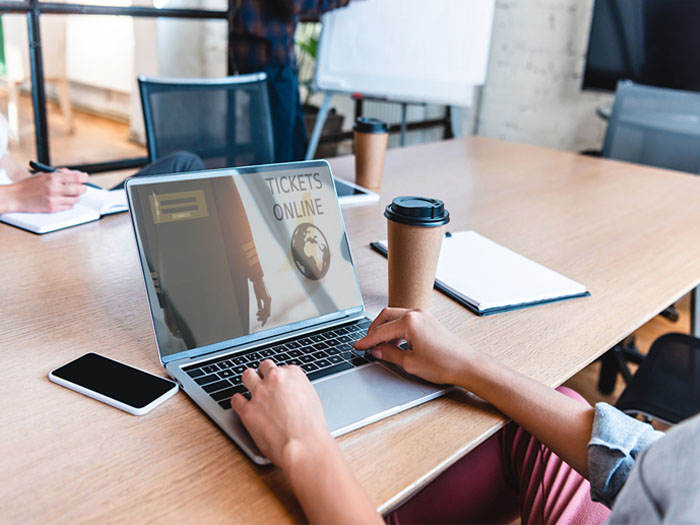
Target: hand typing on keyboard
(285, 418)
(319, 354)
(435, 354)
(272, 416)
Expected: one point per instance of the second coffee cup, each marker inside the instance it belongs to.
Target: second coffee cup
(371, 136)
(415, 227)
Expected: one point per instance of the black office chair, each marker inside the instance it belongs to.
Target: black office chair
(666, 386)
(226, 121)
(656, 127)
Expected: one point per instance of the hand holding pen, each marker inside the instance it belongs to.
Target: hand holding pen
(38, 167)
(50, 190)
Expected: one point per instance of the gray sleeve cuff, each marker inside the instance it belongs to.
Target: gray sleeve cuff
(616, 442)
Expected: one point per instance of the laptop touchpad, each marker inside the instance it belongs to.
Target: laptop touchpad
(367, 394)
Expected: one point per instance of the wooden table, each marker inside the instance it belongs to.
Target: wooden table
(629, 233)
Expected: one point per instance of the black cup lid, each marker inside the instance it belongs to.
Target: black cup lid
(370, 125)
(417, 211)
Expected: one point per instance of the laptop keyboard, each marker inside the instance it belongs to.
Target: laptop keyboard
(319, 354)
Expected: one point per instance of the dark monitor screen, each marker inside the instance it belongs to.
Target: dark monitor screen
(652, 42)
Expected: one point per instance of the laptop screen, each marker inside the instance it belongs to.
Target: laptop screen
(230, 253)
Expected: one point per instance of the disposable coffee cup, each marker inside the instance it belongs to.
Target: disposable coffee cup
(415, 227)
(371, 136)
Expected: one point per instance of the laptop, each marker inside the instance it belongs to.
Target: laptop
(253, 263)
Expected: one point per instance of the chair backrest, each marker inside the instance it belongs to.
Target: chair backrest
(226, 121)
(666, 385)
(655, 126)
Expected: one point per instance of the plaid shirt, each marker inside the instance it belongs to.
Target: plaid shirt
(263, 30)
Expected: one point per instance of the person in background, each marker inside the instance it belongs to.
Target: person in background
(263, 40)
(557, 459)
(43, 192)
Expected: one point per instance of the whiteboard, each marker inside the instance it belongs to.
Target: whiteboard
(406, 50)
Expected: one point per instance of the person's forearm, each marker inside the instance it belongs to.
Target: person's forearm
(7, 198)
(326, 487)
(559, 422)
(13, 169)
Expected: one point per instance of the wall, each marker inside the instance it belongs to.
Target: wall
(177, 48)
(99, 53)
(533, 94)
(189, 47)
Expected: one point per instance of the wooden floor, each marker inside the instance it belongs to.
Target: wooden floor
(97, 139)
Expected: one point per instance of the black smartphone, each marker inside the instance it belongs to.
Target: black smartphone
(114, 383)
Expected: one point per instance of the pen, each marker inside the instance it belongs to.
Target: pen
(38, 166)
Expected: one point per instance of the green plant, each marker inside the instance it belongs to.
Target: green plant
(309, 46)
(306, 40)
(2, 51)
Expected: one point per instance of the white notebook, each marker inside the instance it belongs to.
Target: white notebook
(92, 205)
(489, 278)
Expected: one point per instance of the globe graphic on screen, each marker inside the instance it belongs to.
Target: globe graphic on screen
(310, 251)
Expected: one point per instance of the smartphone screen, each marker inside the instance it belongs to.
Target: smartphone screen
(114, 380)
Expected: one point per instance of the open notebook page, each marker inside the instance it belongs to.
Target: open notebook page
(90, 207)
(103, 201)
(489, 275)
(48, 222)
